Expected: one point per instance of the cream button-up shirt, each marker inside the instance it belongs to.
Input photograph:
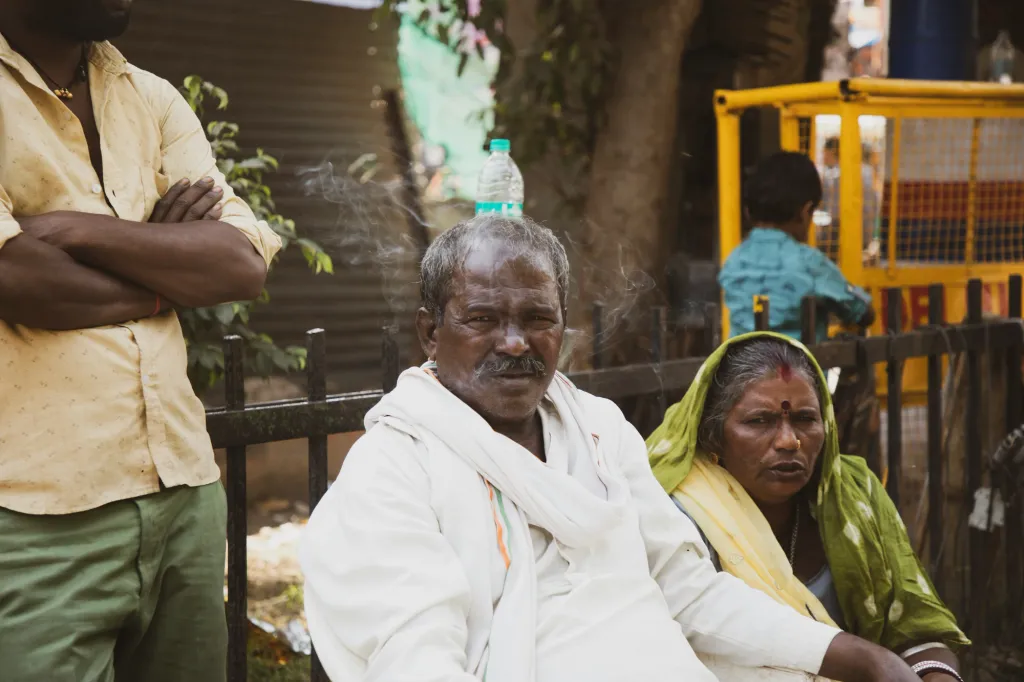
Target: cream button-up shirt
(92, 416)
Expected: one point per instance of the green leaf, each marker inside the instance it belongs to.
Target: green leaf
(204, 328)
(222, 97)
(209, 359)
(254, 163)
(225, 314)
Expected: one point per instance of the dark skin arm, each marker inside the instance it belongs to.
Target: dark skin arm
(851, 659)
(43, 287)
(942, 656)
(199, 262)
(868, 319)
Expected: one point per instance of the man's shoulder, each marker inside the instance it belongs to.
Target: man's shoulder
(604, 415)
(816, 259)
(156, 90)
(382, 443)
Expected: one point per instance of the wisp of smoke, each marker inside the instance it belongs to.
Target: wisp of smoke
(619, 288)
(370, 227)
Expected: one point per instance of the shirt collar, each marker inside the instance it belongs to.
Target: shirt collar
(102, 55)
(769, 232)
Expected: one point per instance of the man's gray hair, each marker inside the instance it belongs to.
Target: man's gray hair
(744, 365)
(446, 254)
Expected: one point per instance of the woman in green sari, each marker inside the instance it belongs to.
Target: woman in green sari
(751, 455)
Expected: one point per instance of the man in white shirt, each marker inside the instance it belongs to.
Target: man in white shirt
(495, 523)
(828, 236)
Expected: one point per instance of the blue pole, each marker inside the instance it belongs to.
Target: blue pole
(932, 39)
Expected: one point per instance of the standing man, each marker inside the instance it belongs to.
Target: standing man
(112, 215)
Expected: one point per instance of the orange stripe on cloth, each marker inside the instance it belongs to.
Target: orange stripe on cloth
(498, 527)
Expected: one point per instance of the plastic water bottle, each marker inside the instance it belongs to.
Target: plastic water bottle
(1001, 59)
(500, 187)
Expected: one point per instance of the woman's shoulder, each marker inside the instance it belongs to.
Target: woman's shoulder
(855, 470)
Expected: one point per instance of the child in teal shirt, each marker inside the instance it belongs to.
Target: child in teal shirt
(775, 260)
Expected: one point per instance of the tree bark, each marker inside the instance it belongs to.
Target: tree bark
(622, 247)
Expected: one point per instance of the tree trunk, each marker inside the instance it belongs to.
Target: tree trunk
(621, 249)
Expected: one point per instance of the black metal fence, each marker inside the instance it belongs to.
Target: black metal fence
(237, 426)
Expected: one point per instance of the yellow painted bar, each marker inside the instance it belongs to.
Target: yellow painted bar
(972, 193)
(732, 100)
(911, 274)
(789, 132)
(851, 196)
(812, 109)
(894, 196)
(917, 109)
(730, 211)
(867, 88)
(886, 87)
(812, 141)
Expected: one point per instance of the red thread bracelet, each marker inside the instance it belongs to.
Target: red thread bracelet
(156, 311)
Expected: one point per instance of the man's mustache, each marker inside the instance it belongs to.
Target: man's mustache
(505, 364)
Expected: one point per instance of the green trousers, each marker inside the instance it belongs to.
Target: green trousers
(130, 592)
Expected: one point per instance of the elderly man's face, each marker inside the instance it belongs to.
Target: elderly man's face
(497, 347)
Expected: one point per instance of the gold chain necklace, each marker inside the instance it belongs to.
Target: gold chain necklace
(63, 91)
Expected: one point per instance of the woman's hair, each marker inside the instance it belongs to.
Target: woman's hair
(779, 188)
(744, 365)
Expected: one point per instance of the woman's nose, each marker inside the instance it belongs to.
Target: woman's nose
(786, 438)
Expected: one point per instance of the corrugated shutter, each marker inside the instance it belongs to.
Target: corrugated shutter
(304, 81)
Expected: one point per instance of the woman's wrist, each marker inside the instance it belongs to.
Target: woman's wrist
(851, 659)
(938, 677)
(934, 671)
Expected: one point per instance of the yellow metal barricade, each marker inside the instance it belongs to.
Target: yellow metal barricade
(949, 187)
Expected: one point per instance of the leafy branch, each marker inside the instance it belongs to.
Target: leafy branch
(204, 328)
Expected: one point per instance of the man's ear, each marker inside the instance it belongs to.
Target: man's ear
(807, 215)
(426, 332)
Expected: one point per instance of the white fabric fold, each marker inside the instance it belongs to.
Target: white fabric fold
(573, 514)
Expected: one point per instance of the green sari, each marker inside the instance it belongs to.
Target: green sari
(885, 593)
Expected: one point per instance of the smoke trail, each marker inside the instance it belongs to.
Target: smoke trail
(369, 227)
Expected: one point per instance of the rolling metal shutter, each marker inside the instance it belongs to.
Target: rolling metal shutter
(305, 82)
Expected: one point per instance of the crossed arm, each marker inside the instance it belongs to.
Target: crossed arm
(69, 270)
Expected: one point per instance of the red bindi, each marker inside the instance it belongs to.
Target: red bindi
(785, 406)
(785, 372)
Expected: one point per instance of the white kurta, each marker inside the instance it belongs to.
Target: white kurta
(602, 624)
(404, 573)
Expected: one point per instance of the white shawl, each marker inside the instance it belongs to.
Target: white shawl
(573, 514)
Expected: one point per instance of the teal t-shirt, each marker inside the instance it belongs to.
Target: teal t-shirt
(771, 263)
